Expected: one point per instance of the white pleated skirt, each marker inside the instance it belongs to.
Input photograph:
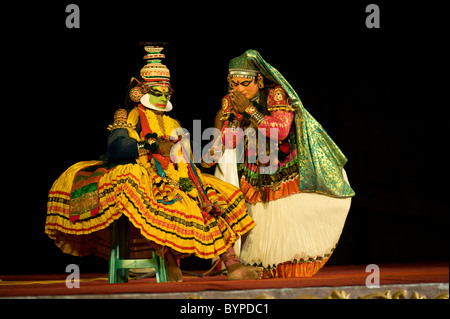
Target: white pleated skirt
(226, 170)
(298, 228)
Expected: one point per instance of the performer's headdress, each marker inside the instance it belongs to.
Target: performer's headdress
(320, 159)
(153, 73)
(242, 66)
(154, 70)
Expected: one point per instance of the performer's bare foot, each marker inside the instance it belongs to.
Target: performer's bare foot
(174, 274)
(239, 271)
(173, 271)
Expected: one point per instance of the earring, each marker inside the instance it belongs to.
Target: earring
(136, 94)
(260, 81)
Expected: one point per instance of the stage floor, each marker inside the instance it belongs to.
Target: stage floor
(346, 282)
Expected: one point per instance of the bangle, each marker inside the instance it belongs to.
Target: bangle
(253, 114)
(141, 148)
(257, 118)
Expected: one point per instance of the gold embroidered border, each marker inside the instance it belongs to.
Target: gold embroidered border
(281, 108)
(341, 294)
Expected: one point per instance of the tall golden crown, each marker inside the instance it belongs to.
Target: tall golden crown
(154, 70)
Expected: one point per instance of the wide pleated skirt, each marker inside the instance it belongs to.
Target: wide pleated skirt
(177, 222)
(294, 235)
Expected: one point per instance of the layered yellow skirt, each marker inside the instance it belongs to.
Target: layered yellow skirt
(161, 216)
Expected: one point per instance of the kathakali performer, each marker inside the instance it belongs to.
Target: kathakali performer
(173, 208)
(301, 197)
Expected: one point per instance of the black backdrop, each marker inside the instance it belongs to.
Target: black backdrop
(372, 90)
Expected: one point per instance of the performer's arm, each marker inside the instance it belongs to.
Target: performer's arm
(281, 115)
(121, 145)
(218, 122)
(231, 134)
(281, 120)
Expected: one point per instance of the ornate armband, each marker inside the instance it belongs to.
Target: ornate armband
(120, 121)
(277, 100)
(226, 108)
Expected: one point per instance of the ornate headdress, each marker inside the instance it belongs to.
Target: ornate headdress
(154, 70)
(153, 73)
(241, 66)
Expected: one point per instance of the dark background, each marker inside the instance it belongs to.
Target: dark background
(373, 90)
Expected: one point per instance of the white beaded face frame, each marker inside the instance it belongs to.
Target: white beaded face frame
(243, 73)
(248, 74)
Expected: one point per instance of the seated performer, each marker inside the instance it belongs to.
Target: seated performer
(173, 208)
(298, 195)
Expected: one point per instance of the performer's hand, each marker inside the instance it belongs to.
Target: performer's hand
(238, 101)
(166, 147)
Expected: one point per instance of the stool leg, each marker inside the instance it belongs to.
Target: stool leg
(113, 258)
(124, 246)
(161, 273)
(122, 275)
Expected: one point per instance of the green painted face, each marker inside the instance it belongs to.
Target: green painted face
(158, 96)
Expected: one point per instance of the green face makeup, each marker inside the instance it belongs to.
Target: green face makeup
(158, 96)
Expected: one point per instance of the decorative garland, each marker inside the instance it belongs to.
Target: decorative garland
(177, 173)
(168, 124)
